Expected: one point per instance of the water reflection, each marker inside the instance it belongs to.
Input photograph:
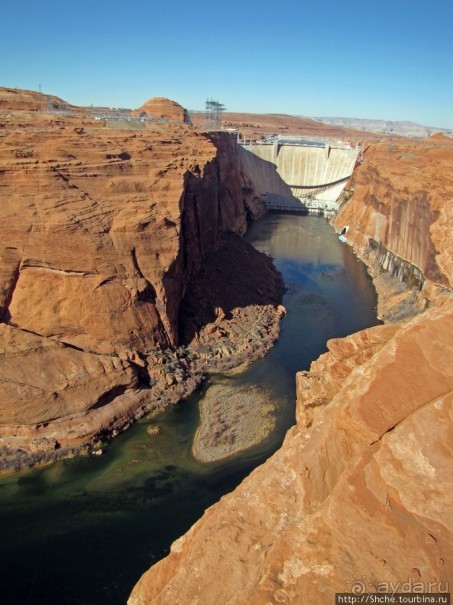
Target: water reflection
(82, 531)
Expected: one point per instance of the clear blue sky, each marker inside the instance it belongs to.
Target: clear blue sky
(389, 59)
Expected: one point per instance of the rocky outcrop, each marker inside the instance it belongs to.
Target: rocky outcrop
(400, 213)
(358, 501)
(358, 498)
(55, 397)
(103, 228)
(31, 100)
(92, 222)
(163, 109)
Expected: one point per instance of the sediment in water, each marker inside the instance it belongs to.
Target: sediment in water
(232, 420)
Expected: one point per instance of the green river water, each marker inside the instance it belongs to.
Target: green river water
(82, 531)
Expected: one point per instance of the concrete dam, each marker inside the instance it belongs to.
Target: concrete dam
(300, 175)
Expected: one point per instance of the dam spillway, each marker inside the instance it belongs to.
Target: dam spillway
(297, 174)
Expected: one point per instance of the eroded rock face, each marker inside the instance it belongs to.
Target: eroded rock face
(54, 396)
(401, 210)
(361, 496)
(59, 379)
(358, 498)
(91, 228)
(102, 229)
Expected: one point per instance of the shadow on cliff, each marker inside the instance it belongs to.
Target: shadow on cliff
(234, 275)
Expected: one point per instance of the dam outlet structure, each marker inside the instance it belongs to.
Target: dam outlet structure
(300, 174)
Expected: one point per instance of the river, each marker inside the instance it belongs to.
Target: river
(81, 531)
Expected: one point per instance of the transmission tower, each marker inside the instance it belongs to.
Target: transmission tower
(213, 114)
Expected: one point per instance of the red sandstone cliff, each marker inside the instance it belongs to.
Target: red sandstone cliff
(102, 230)
(94, 222)
(113, 223)
(401, 210)
(359, 497)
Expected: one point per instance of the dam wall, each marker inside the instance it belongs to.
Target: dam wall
(262, 173)
(316, 175)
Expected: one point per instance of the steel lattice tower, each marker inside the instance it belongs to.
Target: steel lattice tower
(213, 114)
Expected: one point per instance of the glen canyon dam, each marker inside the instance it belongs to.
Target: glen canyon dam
(226, 358)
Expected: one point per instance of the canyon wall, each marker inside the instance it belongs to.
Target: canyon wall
(401, 210)
(94, 222)
(358, 498)
(361, 498)
(102, 230)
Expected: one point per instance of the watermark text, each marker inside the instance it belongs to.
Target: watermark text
(396, 598)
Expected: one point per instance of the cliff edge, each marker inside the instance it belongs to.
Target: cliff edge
(399, 215)
(104, 228)
(358, 498)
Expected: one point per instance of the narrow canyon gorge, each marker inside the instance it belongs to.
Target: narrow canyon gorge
(125, 280)
(107, 234)
(358, 498)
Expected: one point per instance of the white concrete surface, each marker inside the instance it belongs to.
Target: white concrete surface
(303, 165)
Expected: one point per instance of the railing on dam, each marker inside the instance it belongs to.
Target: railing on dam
(309, 140)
